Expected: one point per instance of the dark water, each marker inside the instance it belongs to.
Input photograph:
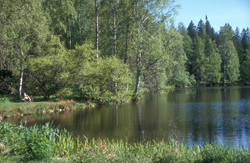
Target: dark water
(192, 115)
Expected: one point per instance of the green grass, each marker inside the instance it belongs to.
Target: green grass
(12, 105)
(50, 144)
(12, 109)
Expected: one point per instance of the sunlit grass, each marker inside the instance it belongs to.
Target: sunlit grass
(67, 148)
(12, 109)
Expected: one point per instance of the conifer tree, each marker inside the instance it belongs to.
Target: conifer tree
(239, 48)
(212, 61)
(201, 28)
(199, 60)
(232, 63)
(226, 34)
(192, 31)
(246, 65)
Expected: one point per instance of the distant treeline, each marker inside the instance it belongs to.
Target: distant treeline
(110, 50)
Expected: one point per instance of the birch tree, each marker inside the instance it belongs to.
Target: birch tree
(160, 11)
(26, 32)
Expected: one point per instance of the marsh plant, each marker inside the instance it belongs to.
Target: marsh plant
(51, 144)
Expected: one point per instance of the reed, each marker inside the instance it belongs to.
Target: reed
(51, 144)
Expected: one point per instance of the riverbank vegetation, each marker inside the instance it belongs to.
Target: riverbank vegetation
(50, 144)
(109, 50)
(11, 109)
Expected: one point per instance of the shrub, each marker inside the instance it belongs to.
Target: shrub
(35, 146)
(4, 100)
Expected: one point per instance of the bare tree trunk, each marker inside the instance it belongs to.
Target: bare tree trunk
(224, 64)
(138, 75)
(138, 61)
(21, 77)
(69, 34)
(127, 36)
(97, 29)
(114, 34)
(114, 23)
(79, 22)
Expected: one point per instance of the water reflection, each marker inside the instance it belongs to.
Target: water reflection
(199, 115)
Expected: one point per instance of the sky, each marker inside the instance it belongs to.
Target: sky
(219, 12)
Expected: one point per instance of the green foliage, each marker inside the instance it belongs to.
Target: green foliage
(4, 100)
(232, 62)
(49, 74)
(106, 79)
(199, 62)
(140, 33)
(246, 65)
(45, 142)
(34, 145)
(212, 62)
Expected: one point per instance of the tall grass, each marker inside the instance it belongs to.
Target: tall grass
(20, 109)
(51, 144)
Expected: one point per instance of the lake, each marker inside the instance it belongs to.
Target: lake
(192, 115)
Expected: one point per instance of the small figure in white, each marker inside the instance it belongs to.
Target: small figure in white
(26, 96)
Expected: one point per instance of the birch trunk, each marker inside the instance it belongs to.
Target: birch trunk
(224, 64)
(115, 46)
(114, 34)
(138, 61)
(79, 22)
(97, 29)
(21, 77)
(127, 36)
(138, 75)
(69, 34)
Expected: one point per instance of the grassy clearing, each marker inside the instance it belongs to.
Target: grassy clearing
(11, 109)
(50, 144)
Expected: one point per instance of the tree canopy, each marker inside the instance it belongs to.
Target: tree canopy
(109, 50)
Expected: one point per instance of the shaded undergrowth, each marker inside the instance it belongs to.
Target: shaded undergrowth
(51, 144)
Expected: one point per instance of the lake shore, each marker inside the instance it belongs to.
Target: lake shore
(51, 144)
(18, 109)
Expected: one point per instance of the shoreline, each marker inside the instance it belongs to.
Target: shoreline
(31, 108)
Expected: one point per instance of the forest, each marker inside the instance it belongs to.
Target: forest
(111, 50)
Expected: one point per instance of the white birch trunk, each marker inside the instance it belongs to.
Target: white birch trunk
(138, 61)
(21, 77)
(97, 29)
(69, 34)
(114, 34)
(79, 22)
(115, 42)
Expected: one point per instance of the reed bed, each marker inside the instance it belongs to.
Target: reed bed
(51, 144)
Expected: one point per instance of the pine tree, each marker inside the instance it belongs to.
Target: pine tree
(201, 28)
(192, 31)
(212, 61)
(199, 62)
(188, 46)
(246, 66)
(208, 28)
(226, 34)
(239, 48)
(232, 63)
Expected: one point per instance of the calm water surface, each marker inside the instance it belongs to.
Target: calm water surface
(192, 115)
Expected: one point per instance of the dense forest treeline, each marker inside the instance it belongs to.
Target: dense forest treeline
(111, 50)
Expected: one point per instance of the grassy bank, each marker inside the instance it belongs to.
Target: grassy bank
(50, 144)
(12, 109)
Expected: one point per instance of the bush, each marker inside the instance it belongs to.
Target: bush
(4, 100)
(35, 146)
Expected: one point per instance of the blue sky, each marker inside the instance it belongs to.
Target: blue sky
(219, 12)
